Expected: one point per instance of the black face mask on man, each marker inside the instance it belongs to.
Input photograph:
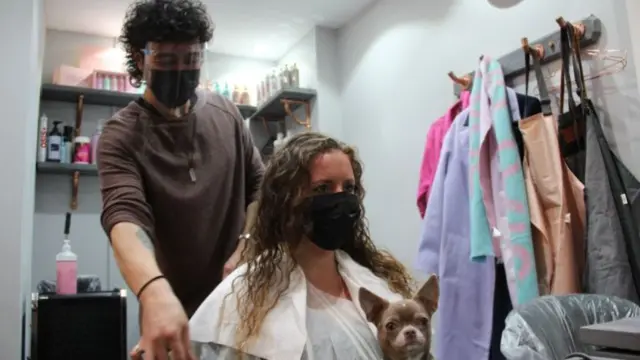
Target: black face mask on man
(331, 219)
(173, 88)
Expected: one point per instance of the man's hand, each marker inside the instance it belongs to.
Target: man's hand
(232, 263)
(136, 352)
(165, 326)
(234, 259)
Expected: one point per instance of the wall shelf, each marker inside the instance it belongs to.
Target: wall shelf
(247, 110)
(81, 96)
(52, 92)
(66, 169)
(273, 108)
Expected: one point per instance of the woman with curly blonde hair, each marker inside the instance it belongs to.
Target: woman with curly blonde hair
(296, 294)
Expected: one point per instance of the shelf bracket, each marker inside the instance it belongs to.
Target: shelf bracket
(79, 110)
(75, 182)
(307, 107)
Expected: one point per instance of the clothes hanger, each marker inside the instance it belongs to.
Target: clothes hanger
(613, 61)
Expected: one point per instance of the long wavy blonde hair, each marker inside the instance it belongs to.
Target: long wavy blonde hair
(280, 227)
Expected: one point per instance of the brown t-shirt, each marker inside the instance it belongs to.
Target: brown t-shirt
(143, 163)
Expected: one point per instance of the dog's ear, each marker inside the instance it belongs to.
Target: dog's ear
(428, 294)
(372, 305)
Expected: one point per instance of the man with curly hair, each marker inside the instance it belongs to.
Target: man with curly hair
(178, 174)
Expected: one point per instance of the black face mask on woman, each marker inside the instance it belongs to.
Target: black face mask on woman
(173, 88)
(332, 218)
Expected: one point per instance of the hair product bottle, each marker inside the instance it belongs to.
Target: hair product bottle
(226, 92)
(294, 76)
(42, 141)
(285, 74)
(66, 264)
(54, 142)
(68, 145)
(274, 82)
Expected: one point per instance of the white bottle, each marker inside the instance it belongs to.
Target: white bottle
(277, 144)
(42, 141)
(287, 136)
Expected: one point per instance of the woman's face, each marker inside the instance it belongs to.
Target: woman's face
(331, 172)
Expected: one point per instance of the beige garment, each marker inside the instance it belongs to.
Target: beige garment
(556, 206)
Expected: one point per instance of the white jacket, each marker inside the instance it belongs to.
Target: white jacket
(283, 333)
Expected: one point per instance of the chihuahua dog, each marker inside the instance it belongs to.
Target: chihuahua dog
(404, 327)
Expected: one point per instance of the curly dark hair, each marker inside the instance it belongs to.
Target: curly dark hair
(280, 225)
(178, 21)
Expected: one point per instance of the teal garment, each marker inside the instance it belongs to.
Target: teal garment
(499, 211)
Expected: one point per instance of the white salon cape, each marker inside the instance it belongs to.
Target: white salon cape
(305, 324)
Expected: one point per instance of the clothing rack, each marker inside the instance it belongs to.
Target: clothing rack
(513, 64)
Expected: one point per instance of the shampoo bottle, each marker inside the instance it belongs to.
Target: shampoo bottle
(42, 141)
(285, 74)
(235, 95)
(226, 92)
(273, 81)
(68, 145)
(54, 143)
(294, 76)
(66, 265)
(63, 151)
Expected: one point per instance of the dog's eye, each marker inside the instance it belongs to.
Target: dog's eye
(390, 326)
(422, 321)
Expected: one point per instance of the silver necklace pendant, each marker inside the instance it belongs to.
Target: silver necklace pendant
(192, 174)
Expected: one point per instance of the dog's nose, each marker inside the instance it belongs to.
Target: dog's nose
(410, 334)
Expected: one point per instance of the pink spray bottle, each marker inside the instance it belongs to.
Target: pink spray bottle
(66, 264)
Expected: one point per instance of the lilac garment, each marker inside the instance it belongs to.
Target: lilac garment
(465, 308)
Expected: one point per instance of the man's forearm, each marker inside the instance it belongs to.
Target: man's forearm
(249, 223)
(133, 252)
(250, 218)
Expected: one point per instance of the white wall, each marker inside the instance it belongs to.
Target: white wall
(316, 56)
(394, 60)
(329, 114)
(65, 48)
(633, 12)
(303, 54)
(21, 24)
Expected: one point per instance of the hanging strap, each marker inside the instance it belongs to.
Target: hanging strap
(578, 112)
(545, 101)
(565, 75)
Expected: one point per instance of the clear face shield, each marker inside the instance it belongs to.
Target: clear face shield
(172, 71)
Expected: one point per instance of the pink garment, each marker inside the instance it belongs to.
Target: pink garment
(435, 138)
